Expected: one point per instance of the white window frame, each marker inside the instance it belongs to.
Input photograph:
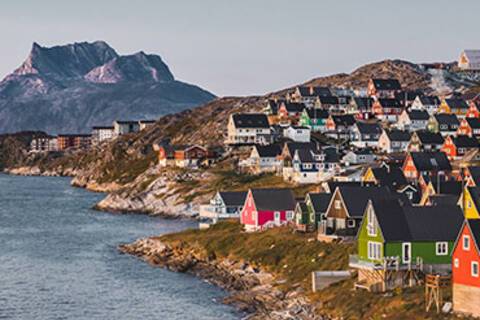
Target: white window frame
(474, 269)
(466, 243)
(290, 215)
(337, 204)
(374, 250)
(456, 263)
(371, 223)
(351, 223)
(409, 246)
(277, 214)
(441, 248)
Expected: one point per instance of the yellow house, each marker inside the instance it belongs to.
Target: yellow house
(455, 106)
(369, 176)
(471, 202)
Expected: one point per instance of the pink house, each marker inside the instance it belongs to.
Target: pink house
(266, 208)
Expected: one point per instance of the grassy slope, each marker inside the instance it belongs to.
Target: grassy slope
(292, 257)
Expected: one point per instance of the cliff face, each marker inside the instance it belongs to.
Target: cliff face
(74, 87)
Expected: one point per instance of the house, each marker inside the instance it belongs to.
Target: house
(124, 127)
(145, 124)
(394, 140)
(413, 120)
(446, 124)
(248, 128)
(266, 208)
(465, 269)
(456, 106)
(469, 127)
(224, 205)
(73, 141)
(387, 109)
(426, 103)
(457, 147)
(329, 103)
(309, 166)
(383, 88)
(43, 143)
(425, 163)
(339, 126)
(290, 110)
(345, 210)
(471, 202)
(391, 177)
(394, 240)
(102, 133)
(408, 97)
(365, 134)
(264, 158)
(473, 109)
(272, 106)
(360, 156)
(440, 186)
(469, 60)
(471, 176)
(314, 119)
(297, 133)
(312, 211)
(184, 156)
(362, 107)
(308, 95)
(425, 141)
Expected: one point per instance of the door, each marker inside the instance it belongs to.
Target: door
(406, 252)
(277, 217)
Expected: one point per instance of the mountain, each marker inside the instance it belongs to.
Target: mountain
(74, 87)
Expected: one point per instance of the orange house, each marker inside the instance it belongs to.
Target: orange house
(469, 127)
(473, 110)
(456, 147)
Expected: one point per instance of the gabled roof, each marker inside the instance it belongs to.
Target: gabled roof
(328, 100)
(428, 137)
(320, 201)
(475, 174)
(464, 141)
(293, 146)
(429, 161)
(294, 106)
(317, 113)
(273, 199)
(368, 128)
(363, 103)
(417, 223)
(430, 100)
(474, 225)
(356, 198)
(449, 119)
(475, 194)
(398, 135)
(304, 155)
(233, 198)
(418, 115)
(387, 84)
(268, 151)
(390, 103)
(452, 187)
(443, 199)
(392, 178)
(456, 103)
(250, 120)
(345, 119)
(321, 91)
(473, 123)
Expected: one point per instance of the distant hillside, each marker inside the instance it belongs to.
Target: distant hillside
(74, 87)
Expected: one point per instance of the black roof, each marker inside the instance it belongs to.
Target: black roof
(268, 151)
(417, 223)
(390, 177)
(418, 115)
(443, 199)
(274, 199)
(408, 95)
(321, 91)
(344, 119)
(356, 198)
(320, 201)
(102, 128)
(233, 198)
(293, 146)
(294, 106)
(428, 161)
(445, 118)
(368, 128)
(305, 156)
(451, 187)
(473, 123)
(474, 225)
(390, 103)
(475, 194)
(475, 173)
(328, 100)
(463, 141)
(430, 100)
(317, 113)
(428, 137)
(457, 103)
(387, 84)
(398, 135)
(250, 120)
(363, 103)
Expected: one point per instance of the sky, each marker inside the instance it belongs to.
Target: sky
(250, 46)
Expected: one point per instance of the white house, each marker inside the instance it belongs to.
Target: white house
(364, 155)
(248, 128)
(44, 144)
(394, 141)
(413, 120)
(297, 133)
(427, 103)
(144, 124)
(224, 205)
(263, 159)
(124, 127)
(101, 133)
(469, 60)
(365, 134)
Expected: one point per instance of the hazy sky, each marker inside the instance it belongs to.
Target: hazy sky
(248, 46)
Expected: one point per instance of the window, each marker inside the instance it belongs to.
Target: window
(474, 269)
(371, 223)
(289, 215)
(466, 243)
(351, 223)
(406, 252)
(442, 248)
(337, 204)
(469, 204)
(374, 250)
(456, 263)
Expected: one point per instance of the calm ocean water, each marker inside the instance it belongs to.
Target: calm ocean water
(58, 260)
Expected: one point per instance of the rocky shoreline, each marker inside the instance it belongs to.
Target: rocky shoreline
(252, 291)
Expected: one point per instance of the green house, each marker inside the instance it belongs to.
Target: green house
(410, 235)
(315, 119)
(309, 213)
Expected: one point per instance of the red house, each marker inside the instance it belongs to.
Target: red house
(266, 208)
(465, 269)
(473, 110)
(457, 147)
(426, 164)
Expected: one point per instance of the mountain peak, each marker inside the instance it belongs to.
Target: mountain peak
(68, 61)
(136, 67)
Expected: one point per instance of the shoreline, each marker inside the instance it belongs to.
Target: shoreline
(250, 290)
